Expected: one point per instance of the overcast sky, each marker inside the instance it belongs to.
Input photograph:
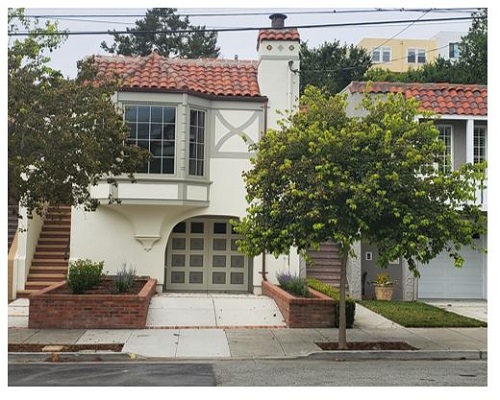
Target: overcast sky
(243, 44)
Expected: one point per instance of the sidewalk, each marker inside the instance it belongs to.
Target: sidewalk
(265, 337)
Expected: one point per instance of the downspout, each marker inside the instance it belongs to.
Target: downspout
(264, 272)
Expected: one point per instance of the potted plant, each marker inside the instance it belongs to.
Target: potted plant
(384, 286)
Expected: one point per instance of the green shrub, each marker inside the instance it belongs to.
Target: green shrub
(293, 284)
(124, 279)
(334, 293)
(84, 275)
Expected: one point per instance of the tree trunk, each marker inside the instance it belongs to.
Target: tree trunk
(342, 342)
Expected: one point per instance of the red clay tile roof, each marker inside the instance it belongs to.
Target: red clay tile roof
(278, 34)
(442, 98)
(213, 77)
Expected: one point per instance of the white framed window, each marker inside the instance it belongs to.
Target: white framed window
(197, 143)
(445, 159)
(381, 54)
(416, 56)
(153, 128)
(479, 144)
(453, 51)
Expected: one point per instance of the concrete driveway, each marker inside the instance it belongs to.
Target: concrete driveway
(477, 309)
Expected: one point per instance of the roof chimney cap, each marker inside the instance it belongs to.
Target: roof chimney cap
(277, 20)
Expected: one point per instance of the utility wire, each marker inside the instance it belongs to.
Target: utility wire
(242, 29)
(401, 31)
(232, 14)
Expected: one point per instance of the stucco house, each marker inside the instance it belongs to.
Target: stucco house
(463, 126)
(197, 117)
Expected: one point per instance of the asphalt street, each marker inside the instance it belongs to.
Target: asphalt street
(289, 372)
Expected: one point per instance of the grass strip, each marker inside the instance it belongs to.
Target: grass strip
(415, 314)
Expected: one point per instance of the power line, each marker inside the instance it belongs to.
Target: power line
(233, 14)
(242, 29)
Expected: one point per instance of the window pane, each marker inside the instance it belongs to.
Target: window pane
(155, 165)
(387, 55)
(131, 113)
(411, 56)
(132, 128)
(168, 166)
(156, 131)
(156, 148)
(143, 131)
(157, 115)
(144, 113)
(169, 132)
(180, 228)
(169, 115)
(197, 227)
(220, 227)
(421, 56)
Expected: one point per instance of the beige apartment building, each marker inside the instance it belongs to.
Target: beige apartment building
(400, 55)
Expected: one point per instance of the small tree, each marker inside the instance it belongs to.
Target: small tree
(324, 175)
(165, 32)
(64, 134)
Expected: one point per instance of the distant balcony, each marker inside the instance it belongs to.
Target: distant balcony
(155, 190)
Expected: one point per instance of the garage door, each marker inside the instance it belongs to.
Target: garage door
(440, 279)
(202, 255)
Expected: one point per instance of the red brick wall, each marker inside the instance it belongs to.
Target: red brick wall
(91, 311)
(314, 312)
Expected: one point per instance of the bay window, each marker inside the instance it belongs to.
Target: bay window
(153, 129)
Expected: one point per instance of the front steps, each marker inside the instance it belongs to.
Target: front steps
(325, 264)
(50, 262)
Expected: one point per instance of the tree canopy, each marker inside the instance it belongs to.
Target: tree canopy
(324, 175)
(63, 134)
(165, 32)
(332, 66)
(471, 67)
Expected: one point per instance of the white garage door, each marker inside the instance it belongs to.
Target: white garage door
(440, 279)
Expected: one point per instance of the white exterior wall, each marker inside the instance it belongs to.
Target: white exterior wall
(27, 239)
(443, 39)
(277, 81)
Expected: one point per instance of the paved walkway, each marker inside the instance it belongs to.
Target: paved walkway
(247, 327)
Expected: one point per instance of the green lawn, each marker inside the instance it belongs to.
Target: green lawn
(414, 314)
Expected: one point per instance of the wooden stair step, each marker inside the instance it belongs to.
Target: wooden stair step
(40, 284)
(46, 267)
(38, 277)
(25, 293)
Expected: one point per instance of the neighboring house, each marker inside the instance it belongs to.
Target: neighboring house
(197, 117)
(447, 44)
(463, 126)
(400, 55)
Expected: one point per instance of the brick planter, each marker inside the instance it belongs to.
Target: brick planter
(90, 311)
(300, 312)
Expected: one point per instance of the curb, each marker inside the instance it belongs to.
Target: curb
(348, 355)
(344, 355)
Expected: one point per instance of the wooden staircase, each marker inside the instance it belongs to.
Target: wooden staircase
(50, 262)
(325, 264)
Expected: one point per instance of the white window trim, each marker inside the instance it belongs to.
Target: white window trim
(485, 127)
(381, 54)
(452, 143)
(416, 50)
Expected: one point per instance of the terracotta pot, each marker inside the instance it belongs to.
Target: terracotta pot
(384, 292)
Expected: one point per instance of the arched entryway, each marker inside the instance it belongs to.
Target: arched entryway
(202, 255)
